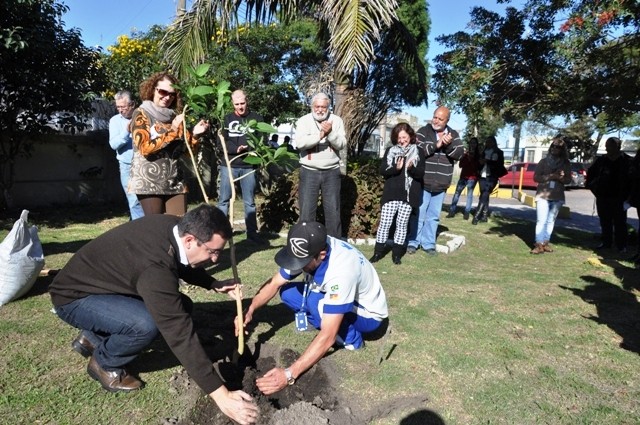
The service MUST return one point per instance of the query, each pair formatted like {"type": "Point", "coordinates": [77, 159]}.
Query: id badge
{"type": "Point", "coordinates": [301, 321]}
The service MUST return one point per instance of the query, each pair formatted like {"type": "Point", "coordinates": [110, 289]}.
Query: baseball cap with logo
{"type": "Point", "coordinates": [305, 240]}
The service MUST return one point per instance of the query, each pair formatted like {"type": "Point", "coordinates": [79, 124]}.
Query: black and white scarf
{"type": "Point", "coordinates": [410, 154]}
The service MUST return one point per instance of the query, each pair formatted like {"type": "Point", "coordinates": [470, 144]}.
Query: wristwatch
{"type": "Point", "coordinates": [290, 379]}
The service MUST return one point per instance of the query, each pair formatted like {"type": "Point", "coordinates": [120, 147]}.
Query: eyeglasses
{"type": "Point", "coordinates": [165, 93]}
{"type": "Point", "coordinates": [212, 252]}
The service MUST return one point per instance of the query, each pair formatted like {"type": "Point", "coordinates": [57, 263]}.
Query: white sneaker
{"type": "Point", "coordinates": [340, 342]}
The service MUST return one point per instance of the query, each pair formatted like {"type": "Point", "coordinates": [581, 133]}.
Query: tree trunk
{"type": "Point", "coordinates": [342, 85]}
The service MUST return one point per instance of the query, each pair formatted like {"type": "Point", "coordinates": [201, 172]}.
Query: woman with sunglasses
{"type": "Point", "coordinates": [552, 173]}
{"type": "Point", "coordinates": [158, 133]}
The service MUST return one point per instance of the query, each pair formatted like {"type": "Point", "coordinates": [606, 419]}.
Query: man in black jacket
{"type": "Point", "coordinates": [235, 138]}
{"type": "Point", "coordinates": [122, 289]}
{"type": "Point", "coordinates": [442, 147]}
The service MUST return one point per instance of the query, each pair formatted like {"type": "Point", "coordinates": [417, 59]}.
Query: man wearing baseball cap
{"type": "Point", "coordinates": [340, 295]}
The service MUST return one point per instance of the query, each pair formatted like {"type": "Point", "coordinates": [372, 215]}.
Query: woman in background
{"type": "Point", "coordinates": [469, 168]}
{"type": "Point", "coordinates": [158, 135]}
{"type": "Point", "coordinates": [403, 168]}
{"type": "Point", "coordinates": [492, 168]}
{"type": "Point", "coordinates": [552, 173]}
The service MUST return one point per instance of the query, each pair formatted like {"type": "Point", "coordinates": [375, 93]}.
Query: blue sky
{"type": "Point", "coordinates": [101, 22]}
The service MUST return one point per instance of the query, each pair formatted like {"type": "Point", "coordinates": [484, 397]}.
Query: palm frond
{"type": "Point", "coordinates": [186, 40]}
{"type": "Point", "coordinates": [354, 26]}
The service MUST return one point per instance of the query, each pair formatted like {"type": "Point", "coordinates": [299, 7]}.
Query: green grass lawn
{"type": "Point", "coordinates": [489, 334]}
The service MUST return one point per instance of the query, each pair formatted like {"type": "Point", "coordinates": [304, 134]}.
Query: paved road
{"type": "Point", "coordinates": [580, 202]}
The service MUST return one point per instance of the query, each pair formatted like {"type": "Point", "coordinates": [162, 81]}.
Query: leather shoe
{"type": "Point", "coordinates": [113, 380]}
{"type": "Point", "coordinates": [82, 345]}
{"type": "Point", "coordinates": [375, 258]}
{"type": "Point", "coordinates": [396, 259]}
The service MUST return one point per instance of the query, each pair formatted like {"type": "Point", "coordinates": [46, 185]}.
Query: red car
{"type": "Point", "coordinates": [512, 178]}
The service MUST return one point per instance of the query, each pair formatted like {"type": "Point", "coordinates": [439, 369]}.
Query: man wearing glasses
{"type": "Point", "coordinates": [122, 290]}
{"type": "Point", "coordinates": [120, 141]}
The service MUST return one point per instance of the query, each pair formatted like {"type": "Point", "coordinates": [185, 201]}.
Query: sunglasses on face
{"type": "Point", "coordinates": [165, 93]}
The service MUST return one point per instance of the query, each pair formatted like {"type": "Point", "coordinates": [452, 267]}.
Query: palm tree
{"type": "Point", "coordinates": [352, 27]}
{"type": "Point", "coordinates": [353, 31]}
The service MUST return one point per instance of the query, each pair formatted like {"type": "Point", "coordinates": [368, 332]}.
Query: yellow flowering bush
{"type": "Point", "coordinates": [132, 59]}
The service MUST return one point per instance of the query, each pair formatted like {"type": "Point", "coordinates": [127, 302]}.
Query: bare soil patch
{"type": "Point", "coordinates": [315, 398]}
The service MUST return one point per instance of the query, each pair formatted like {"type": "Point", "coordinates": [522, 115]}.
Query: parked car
{"type": "Point", "coordinates": [578, 174]}
{"type": "Point", "coordinates": [512, 178]}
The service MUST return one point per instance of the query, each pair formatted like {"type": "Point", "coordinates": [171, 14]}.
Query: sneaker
{"type": "Point", "coordinates": [451, 214]}
{"type": "Point", "coordinates": [341, 344]}
{"type": "Point", "coordinates": [431, 251]}
{"type": "Point", "coordinates": [465, 215]}
{"type": "Point", "coordinates": [411, 250]}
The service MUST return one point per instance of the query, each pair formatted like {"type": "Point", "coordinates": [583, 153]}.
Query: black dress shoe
{"type": "Point", "coordinates": [375, 258]}
{"type": "Point", "coordinates": [396, 259]}
{"type": "Point", "coordinates": [82, 345]}
{"type": "Point", "coordinates": [113, 380]}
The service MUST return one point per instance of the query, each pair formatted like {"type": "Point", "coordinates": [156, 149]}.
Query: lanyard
{"type": "Point", "coordinates": [305, 292]}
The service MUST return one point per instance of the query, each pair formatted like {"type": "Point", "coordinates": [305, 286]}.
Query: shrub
{"type": "Point", "coordinates": [360, 200]}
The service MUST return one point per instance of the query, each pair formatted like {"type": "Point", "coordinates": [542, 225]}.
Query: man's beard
{"type": "Point", "coordinates": [320, 117]}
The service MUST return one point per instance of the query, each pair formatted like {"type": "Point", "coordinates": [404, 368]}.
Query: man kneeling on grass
{"type": "Point", "coordinates": [122, 288]}
{"type": "Point", "coordinates": [341, 296]}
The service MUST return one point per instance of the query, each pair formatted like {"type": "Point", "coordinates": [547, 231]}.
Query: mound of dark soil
{"type": "Point", "coordinates": [312, 400]}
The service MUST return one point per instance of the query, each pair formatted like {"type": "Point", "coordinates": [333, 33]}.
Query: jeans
{"type": "Point", "coordinates": [487, 184]}
{"type": "Point", "coordinates": [470, 184]}
{"type": "Point", "coordinates": [352, 326]}
{"type": "Point", "coordinates": [327, 182]}
{"type": "Point", "coordinates": [135, 209]}
{"type": "Point", "coordinates": [118, 326]}
{"type": "Point", "coordinates": [248, 188]}
{"type": "Point", "coordinates": [423, 226]}
{"type": "Point", "coordinates": [546, 214]}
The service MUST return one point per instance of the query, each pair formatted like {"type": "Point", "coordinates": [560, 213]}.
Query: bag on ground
{"type": "Point", "coordinates": [21, 259]}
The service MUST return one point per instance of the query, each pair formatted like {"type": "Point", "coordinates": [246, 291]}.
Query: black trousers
{"type": "Point", "coordinates": [613, 221]}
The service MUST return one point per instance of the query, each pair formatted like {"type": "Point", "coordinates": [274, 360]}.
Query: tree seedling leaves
{"type": "Point", "coordinates": [266, 128]}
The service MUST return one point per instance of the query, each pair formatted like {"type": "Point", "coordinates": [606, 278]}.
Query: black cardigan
{"type": "Point", "coordinates": [394, 187]}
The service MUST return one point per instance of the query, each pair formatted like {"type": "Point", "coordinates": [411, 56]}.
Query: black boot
{"type": "Point", "coordinates": [378, 252]}
{"type": "Point", "coordinates": [397, 251]}
{"type": "Point", "coordinates": [478, 215]}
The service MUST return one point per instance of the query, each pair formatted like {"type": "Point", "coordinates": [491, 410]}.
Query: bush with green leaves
{"type": "Point", "coordinates": [359, 201]}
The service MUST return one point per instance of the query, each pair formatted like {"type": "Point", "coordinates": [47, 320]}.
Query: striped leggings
{"type": "Point", "coordinates": [387, 215]}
